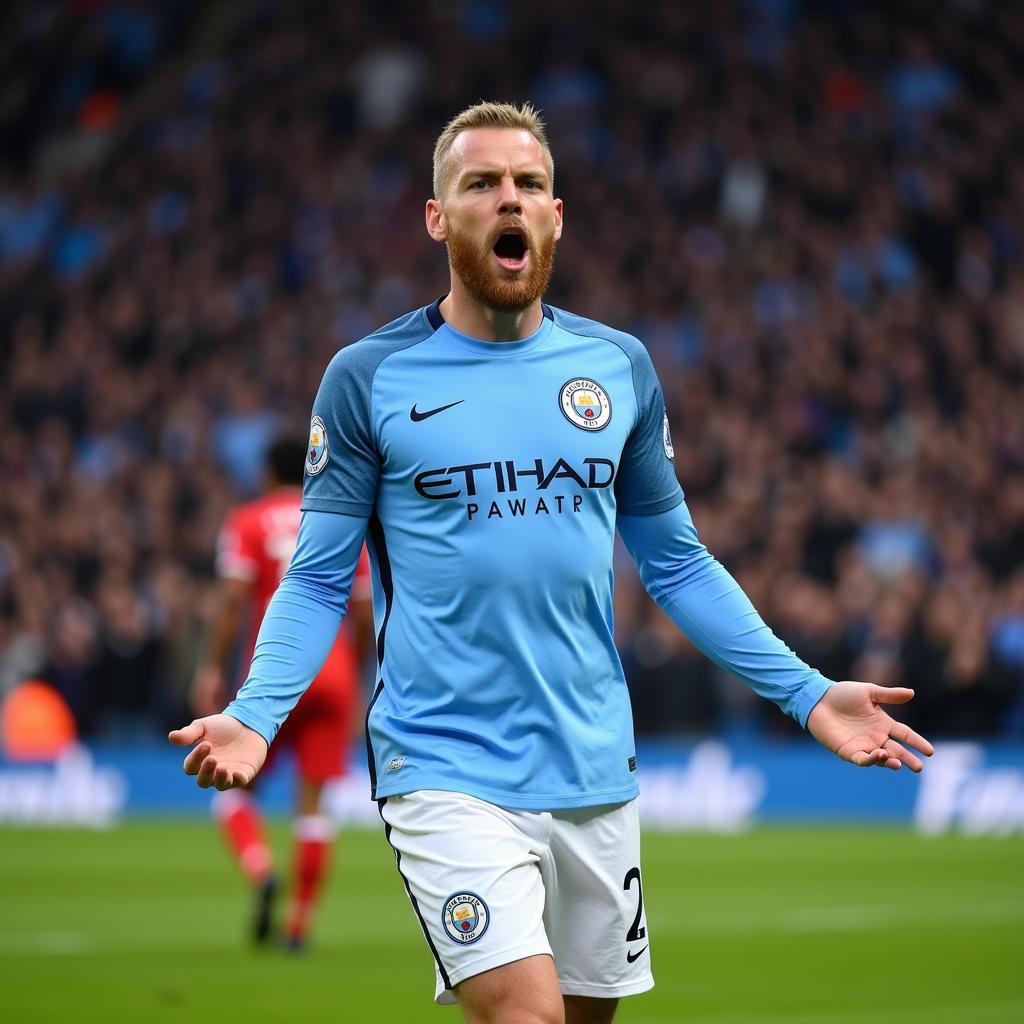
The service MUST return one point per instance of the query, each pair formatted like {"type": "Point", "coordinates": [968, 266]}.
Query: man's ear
{"type": "Point", "coordinates": [437, 223]}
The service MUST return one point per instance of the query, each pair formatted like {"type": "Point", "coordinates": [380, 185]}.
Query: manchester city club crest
{"type": "Point", "coordinates": [666, 437]}
{"type": "Point", "coordinates": [465, 917]}
{"type": "Point", "coordinates": [317, 451]}
{"type": "Point", "coordinates": [585, 404]}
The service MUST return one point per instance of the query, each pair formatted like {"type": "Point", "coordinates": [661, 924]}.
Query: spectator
{"type": "Point", "coordinates": [812, 217]}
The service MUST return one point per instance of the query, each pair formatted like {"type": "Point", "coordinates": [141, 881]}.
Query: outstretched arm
{"type": "Point", "coordinates": [297, 634]}
{"type": "Point", "coordinates": [707, 604]}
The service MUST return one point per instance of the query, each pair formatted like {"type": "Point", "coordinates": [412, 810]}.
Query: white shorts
{"type": "Point", "coordinates": [491, 886]}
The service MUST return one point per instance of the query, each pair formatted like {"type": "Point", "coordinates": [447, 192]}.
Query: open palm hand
{"type": "Point", "coordinates": [849, 721]}
{"type": "Point", "coordinates": [227, 754]}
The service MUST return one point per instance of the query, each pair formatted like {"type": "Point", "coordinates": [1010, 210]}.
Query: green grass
{"type": "Point", "coordinates": [825, 926]}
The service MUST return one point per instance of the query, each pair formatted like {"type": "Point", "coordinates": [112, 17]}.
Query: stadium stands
{"type": "Point", "coordinates": [815, 221]}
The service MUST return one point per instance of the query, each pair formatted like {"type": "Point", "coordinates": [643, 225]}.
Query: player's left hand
{"type": "Point", "coordinates": [849, 721]}
{"type": "Point", "coordinates": [226, 754]}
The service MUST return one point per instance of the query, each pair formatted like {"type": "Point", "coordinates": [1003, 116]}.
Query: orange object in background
{"type": "Point", "coordinates": [35, 723]}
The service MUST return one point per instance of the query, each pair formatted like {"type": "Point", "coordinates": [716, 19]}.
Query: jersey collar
{"type": "Point", "coordinates": [437, 320]}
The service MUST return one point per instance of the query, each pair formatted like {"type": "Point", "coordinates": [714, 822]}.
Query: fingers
{"type": "Point", "coordinates": [195, 758]}
{"type": "Point", "coordinates": [891, 694]}
{"type": "Point", "coordinates": [867, 758]}
{"type": "Point", "coordinates": [210, 773]}
{"type": "Point", "coordinates": [903, 733]}
{"type": "Point", "coordinates": [879, 757]}
{"type": "Point", "coordinates": [207, 773]}
{"type": "Point", "coordinates": [891, 755]}
{"type": "Point", "coordinates": [912, 761]}
{"type": "Point", "coordinates": [191, 733]}
{"type": "Point", "coordinates": [228, 778]}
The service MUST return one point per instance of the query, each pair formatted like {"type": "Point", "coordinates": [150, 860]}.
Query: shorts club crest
{"type": "Point", "coordinates": [465, 917]}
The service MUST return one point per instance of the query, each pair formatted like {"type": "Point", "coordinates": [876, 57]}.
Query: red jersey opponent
{"type": "Point", "coordinates": [254, 549]}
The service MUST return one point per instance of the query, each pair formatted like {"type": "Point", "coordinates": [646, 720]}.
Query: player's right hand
{"type": "Point", "coordinates": [226, 754]}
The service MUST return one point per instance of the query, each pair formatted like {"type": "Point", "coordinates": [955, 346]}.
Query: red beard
{"type": "Point", "coordinates": [493, 287]}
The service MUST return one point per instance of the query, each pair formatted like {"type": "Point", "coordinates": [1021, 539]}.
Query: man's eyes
{"type": "Point", "coordinates": [531, 184]}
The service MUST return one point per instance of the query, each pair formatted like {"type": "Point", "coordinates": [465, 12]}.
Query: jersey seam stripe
{"type": "Point", "coordinates": [371, 761]}
{"type": "Point", "coordinates": [380, 548]}
{"type": "Point", "coordinates": [375, 534]}
{"type": "Point", "coordinates": [412, 899]}
{"type": "Point", "coordinates": [373, 377]}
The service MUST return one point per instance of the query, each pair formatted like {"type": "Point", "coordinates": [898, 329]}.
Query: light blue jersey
{"type": "Point", "coordinates": [488, 478]}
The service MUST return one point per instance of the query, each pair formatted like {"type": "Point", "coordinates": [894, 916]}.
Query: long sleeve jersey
{"type": "Point", "coordinates": [488, 479]}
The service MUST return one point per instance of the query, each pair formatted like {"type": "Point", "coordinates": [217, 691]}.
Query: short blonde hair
{"type": "Point", "coordinates": [488, 115]}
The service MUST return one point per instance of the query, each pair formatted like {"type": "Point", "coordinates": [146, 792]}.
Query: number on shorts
{"type": "Point", "coordinates": [635, 932]}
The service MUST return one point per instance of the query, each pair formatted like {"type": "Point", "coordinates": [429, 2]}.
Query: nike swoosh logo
{"type": "Point", "coordinates": [415, 415]}
{"type": "Point", "coordinates": [630, 957]}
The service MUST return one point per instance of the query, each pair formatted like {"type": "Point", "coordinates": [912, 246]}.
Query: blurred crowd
{"type": "Point", "coordinates": [812, 215]}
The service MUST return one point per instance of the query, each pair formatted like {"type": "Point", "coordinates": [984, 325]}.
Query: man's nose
{"type": "Point", "coordinates": [509, 198]}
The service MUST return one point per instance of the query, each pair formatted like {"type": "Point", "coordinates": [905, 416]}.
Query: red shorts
{"type": "Point", "coordinates": [319, 729]}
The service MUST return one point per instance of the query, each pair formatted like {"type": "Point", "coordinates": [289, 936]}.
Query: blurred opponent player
{"type": "Point", "coordinates": [255, 546]}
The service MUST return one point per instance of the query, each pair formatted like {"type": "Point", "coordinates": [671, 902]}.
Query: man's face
{"type": "Point", "coordinates": [498, 217]}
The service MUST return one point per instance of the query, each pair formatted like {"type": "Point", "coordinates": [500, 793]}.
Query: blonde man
{"type": "Point", "coordinates": [488, 446]}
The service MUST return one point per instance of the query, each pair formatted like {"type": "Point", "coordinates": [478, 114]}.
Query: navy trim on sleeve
{"type": "Point", "coordinates": [655, 509]}
{"type": "Point", "coordinates": [338, 506]}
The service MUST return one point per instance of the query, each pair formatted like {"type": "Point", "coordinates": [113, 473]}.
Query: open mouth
{"type": "Point", "coordinates": [511, 249]}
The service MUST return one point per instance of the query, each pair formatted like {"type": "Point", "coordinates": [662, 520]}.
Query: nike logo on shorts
{"type": "Point", "coordinates": [415, 415]}
{"type": "Point", "coordinates": [630, 957]}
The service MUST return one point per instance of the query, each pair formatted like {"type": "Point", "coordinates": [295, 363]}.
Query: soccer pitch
{"type": "Point", "coordinates": [145, 923]}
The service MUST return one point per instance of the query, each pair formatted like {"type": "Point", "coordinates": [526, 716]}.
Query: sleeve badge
{"type": "Point", "coordinates": [317, 451]}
